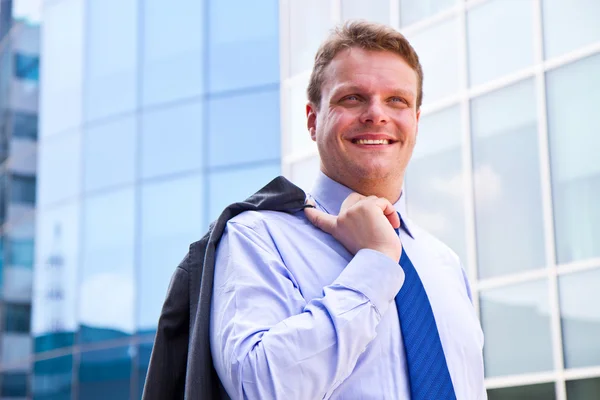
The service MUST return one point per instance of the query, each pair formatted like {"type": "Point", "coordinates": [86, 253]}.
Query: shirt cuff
{"type": "Point", "coordinates": [375, 275]}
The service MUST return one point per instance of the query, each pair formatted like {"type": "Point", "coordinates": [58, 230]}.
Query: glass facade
{"type": "Point", "coordinates": [173, 113]}
{"type": "Point", "coordinates": [155, 115]}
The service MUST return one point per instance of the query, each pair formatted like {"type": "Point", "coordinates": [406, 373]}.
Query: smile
{"type": "Point", "coordinates": [372, 142]}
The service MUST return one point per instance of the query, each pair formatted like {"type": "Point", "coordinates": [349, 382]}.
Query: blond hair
{"type": "Point", "coordinates": [367, 36]}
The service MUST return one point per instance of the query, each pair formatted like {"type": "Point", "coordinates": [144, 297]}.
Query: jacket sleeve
{"type": "Point", "coordinates": [269, 342]}
{"type": "Point", "coordinates": [165, 379]}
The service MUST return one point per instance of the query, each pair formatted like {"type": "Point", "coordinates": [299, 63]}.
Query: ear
{"type": "Point", "coordinates": [311, 120]}
{"type": "Point", "coordinates": [418, 118]}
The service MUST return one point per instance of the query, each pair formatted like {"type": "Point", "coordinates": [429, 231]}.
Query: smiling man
{"type": "Point", "coordinates": [349, 299]}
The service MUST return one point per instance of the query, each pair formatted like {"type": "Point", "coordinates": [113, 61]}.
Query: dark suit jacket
{"type": "Point", "coordinates": [181, 365]}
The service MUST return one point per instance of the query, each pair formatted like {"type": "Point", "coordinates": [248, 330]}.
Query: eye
{"type": "Point", "coordinates": [397, 99]}
{"type": "Point", "coordinates": [351, 97]}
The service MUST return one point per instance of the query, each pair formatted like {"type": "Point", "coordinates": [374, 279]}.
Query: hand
{"type": "Point", "coordinates": [363, 223]}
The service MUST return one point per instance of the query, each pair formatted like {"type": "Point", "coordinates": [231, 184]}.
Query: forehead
{"type": "Point", "coordinates": [369, 69]}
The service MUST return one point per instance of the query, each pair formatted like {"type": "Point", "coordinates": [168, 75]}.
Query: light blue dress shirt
{"type": "Point", "coordinates": [296, 316]}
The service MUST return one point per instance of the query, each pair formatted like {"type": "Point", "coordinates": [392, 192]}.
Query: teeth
{"type": "Point", "coordinates": [365, 141]}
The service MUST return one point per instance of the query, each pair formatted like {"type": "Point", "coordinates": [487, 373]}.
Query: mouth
{"type": "Point", "coordinates": [373, 142]}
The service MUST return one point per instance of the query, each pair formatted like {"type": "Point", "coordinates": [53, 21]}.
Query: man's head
{"type": "Point", "coordinates": [364, 95]}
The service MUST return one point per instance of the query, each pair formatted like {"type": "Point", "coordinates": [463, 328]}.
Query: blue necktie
{"type": "Point", "coordinates": [427, 368]}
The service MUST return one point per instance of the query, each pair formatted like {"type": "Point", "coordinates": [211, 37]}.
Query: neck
{"type": "Point", "coordinates": [385, 188]}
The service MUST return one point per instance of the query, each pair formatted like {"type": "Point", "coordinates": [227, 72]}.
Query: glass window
{"type": "Point", "coordinates": [435, 186]}
{"type": "Point", "coordinates": [105, 374]}
{"type": "Point", "coordinates": [17, 317]}
{"type": "Point", "coordinates": [55, 276]}
{"type": "Point", "coordinates": [412, 11]}
{"type": "Point", "coordinates": [516, 324]}
{"type": "Point", "coordinates": [59, 168]}
{"type": "Point", "coordinates": [25, 125]}
{"type": "Point", "coordinates": [143, 360]}
{"type": "Point", "coordinates": [173, 50]}
{"type": "Point", "coordinates": [304, 172]}
{"type": "Point", "coordinates": [52, 378]}
{"type": "Point", "coordinates": [111, 73]}
{"type": "Point", "coordinates": [22, 189]}
{"type": "Point", "coordinates": [583, 389]}
{"type": "Point", "coordinates": [573, 93]}
{"type": "Point", "coordinates": [299, 140]}
{"type": "Point", "coordinates": [230, 186]}
{"type": "Point", "coordinates": [569, 26]}
{"type": "Point", "coordinates": [62, 45]}
{"type": "Point", "coordinates": [172, 140]}
{"type": "Point", "coordinates": [16, 348]}
{"type": "Point", "coordinates": [20, 244]}
{"type": "Point", "coordinates": [542, 391]}
{"type": "Point", "coordinates": [439, 55]}
{"type": "Point", "coordinates": [254, 134]}
{"type": "Point", "coordinates": [508, 204]}
{"type": "Point", "coordinates": [109, 154]}
{"type": "Point", "coordinates": [27, 67]}
{"type": "Point", "coordinates": [165, 239]}
{"type": "Point", "coordinates": [580, 316]}
{"type": "Point", "coordinates": [375, 10]}
{"type": "Point", "coordinates": [244, 44]}
{"type": "Point", "coordinates": [108, 251]}
{"type": "Point", "coordinates": [14, 384]}
{"type": "Point", "coordinates": [494, 50]}
{"type": "Point", "coordinates": [309, 24]}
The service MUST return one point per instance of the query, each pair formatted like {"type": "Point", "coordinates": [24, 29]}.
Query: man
{"type": "Point", "coordinates": [350, 299]}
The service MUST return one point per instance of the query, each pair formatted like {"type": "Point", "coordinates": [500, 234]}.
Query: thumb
{"type": "Point", "coordinates": [321, 220]}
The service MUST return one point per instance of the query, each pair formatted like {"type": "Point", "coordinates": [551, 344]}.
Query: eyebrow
{"type": "Point", "coordinates": [354, 88]}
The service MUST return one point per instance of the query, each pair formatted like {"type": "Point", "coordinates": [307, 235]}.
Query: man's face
{"type": "Point", "coordinates": [366, 125]}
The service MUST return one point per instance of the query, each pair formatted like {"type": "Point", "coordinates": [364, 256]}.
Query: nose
{"type": "Point", "coordinates": [374, 113]}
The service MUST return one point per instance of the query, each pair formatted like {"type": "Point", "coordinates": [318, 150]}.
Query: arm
{"type": "Point", "coordinates": [269, 342]}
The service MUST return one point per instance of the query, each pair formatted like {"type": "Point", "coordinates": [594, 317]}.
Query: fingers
{"type": "Point", "coordinates": [321, 220]}
{"type": "Point", "coordinates": [351, 200]}
{"type": "Point", "coordinates": [389, 211]}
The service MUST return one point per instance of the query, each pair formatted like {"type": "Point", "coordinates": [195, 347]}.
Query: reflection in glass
{"type": "Point", "coordinates": [62, 67]}
{"type": "Point", "coordinates": [243, 34]}
{"type": "Point", "coordinates": [574, 149]}
{"type": "Point", "coordinates": [105, 374]}
{"type": "Point", "coordinates": [374, 10]}
{"type": "Point", "coordinates": [253, 135]}
{"type": "Point", "coordinates": [108, 251]}
{"type": "Point", "coordinates": [14, 384]}
{"type": "Point", "coordinates": [165, 240]}
{"type": "Point", "coordinates": [435, 180]}
{"type": "Point", "coordinates": [299, 140]}
{"type": "Point", "coordinates": [309, 24]}
{"type": "Point", "coordinates": [508, 204]}
{"type": "Point", "coordinates": [59, 168]}
{"type": "Point", "coordinates": [114, 141]}
{"type": "Point", "coordinates": [580, 317]}
{"type": "Point", "coordinates": [52, 379]}
{"type": "Point", "coordinates": [439, 55]}
{"type": "Point", "coordinates": [494, 50]}
{"type": "Point", "coordinates": [17, 318]}
{"type": "Point", "coordinates": [412, 11]}
{"type": "Point", "coordinates": [542, 391]}
{"type": "Point", "coordinates": [171, 140]}
{"type": "Point", "coordinates": [55, 279]}
{"type": "Point", "coordinates": [583, 389]}
{"type": "Point", "coordinates": [143, 360]}
{"type": "Point", "coordinates": [111, 63]}
{"type": "Point", "coordinates": [304, 172]}
{"type": "Point", "coordinates": [173, 50]}
{"type": "Point", "coordinates": [230, 186]}
{"type": "Point", "coordinates": [516, 324]}
{"type": "Point", "coordinates": [569, 25]}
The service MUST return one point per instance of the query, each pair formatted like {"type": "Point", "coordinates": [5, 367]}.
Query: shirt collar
{"type": "Point", "coordinates": [329, 195]}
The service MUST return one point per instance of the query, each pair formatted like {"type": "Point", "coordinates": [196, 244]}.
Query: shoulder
{"type": "Point", "coordinates": [266, 220]}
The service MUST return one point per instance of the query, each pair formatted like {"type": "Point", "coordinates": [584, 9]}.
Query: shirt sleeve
{"type": "Point", "coordinates": [267, 341]}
